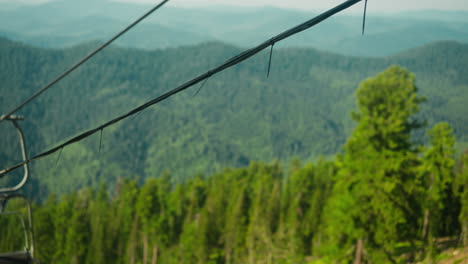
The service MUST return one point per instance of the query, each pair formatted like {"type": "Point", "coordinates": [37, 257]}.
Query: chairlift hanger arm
{"type": "Point", "coordinates": [14, 119]}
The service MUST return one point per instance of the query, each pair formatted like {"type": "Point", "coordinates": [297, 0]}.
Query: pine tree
{"type": "Point", "coordinates": [78, 229]}
{"type": "Point", "coordinates": [237, 217]}
{"type": "Point", "coordinates": [154, 216]}
{"type": "Point", "coordinates": [374, 201]}
{"type": "Point", "coordinates": [437, 169]}
{"type": "Point", "coordinates": [264, 212]}
{"type": "Point", "coordinates": [100, 245]}
{"type": "Point", "coordinates": [124, 217]}
{"type": "Point", "coordinates": [308, 189]}
{"type": "Point", "coordinates": [62, 215]}
{"type": "Point", "coordinates": [196, 194]}
{"type": "Point", "coordinates": [461, 188]}
{"type": "Point", "coordinates": [44, 229]}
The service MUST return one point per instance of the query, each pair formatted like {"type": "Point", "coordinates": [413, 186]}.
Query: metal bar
{"type": "Point", "coordinates": [25, 157]}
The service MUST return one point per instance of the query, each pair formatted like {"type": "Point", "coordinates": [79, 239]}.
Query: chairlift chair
{"type": "Point", "coordinates": [26, 255]}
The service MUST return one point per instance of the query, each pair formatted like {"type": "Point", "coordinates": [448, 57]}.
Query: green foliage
{"type": "Point", "coordinates": [246, 215]}
{"type": "Point", "coordinates": [373, 198]}
{"type": "Point", "coordinates": [461, 188]}
{"type": "Point", "coordinates": [437, 178]}
{"type": "Point", "coordinates": [308, 190]}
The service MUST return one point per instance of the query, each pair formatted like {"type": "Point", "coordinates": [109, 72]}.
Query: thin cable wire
{"type": "Point", "coordinates": [231, 62]}
{"type": "Point", "coordinates": [100, 142]}
{"type": "Point", "coordinates": [201, 86]}
{"type": "Point", "coordinates": [269, 61]}
{"type": "Point", "coordinates": [364, 18]}
{"type": "Point", "coordinates": [82, 61]}
{"type": "Point", "coordinates": [58, 158]}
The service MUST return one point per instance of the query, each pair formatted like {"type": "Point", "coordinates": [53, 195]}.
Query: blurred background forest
{"type": "Point", "coordinates": [251, 169]}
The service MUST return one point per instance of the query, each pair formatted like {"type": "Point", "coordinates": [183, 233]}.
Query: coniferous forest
{"type": "Point", "coordinates": [385, 197]}
{"type": "Point", "coordinates": [301, 111]}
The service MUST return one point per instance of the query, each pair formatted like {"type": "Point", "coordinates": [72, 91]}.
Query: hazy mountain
{"type": "Point", "coordinates": [66, 23]}
{"type": "Point", "coordinates": [453, 16]}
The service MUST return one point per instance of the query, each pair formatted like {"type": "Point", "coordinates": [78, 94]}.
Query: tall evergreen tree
{"type": "Point", "coordinates": [264, 212]}
{"type": "Point", "coordinates": [78, 235]}
{"type": "Point", "coordinates": [154, 216]}
{"type": "Point", "coordinates": [374, 199]}
{"type": "Point", "coordinates": [62, 215]}
{"type": "Point", "coordinates": [122, 220]}
{"type": "Point", "coordinates": [437, 169]}
{"type": "Point", "coordinates": [308, 190]}
{"type": "Point", "coordinates": [237, 217]}
{"type": "Point", "coordinates": [462, 191]}
{"type": "Point", "coordinates": [100, 244]}
{"type": "Point", "coordinates": [45, 228]}
{"type": "Point", "coordinates": [196, 194]}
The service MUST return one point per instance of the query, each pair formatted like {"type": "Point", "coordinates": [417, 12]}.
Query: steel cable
{"type": "Point", "coordinates": [229, 63]}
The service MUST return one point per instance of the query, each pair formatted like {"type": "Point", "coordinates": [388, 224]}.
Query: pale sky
{"type": "Point", "coordinates": [374, 5]}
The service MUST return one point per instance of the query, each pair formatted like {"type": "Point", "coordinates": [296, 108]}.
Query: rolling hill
{"type": "Point", "coordinates": [65, 23]}
{"type": "Point", "coordinates": [302, 110]}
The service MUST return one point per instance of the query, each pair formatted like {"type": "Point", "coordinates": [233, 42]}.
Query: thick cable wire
{"type": "Point", "coordinates": [229, 63]}
{"type": "Point", "coordinates": [82, 61]}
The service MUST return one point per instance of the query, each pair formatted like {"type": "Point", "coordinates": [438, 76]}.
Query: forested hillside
{"type": "Point", "coordinates": [302, 110]}
{"type": "Point", "coordinates": [384, 198]}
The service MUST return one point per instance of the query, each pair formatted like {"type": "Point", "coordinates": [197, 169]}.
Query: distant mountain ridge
{"type": "Point", "coordinates": [302, 110]}
{"type": "Point", "coordinates": [68, 23]}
